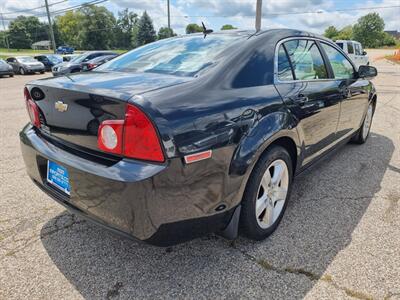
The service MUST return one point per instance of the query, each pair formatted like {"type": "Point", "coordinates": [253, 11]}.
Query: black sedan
{"type": "Point", "coordinates": [194, 134]}
{"type": "Point", "coordinates": [75, 64]}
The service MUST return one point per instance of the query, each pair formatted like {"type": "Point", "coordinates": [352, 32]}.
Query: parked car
{"type": "Point", "coordinates": [75, 64]}
{"type": "Point", "coordinates": [194, 134]}
{"type": "Point", "coordinates": [25, 64]}
{"type": "Point", "coordinates": [95, 62]}
{"type": "Point", "coordinates": [65, 50]}
{"type": "Point", "coordinates": [355, 51]}
{"type": "Point", "coordinates": [49, 60]}
{"type": "Point", "coordinates": [6, 69]}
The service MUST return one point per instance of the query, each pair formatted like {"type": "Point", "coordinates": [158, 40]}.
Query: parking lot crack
{"type": "Point", "coordinates": [308, 274]}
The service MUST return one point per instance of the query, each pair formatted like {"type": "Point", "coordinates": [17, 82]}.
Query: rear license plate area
{"type": "Point", "coordinates": [58, 177]}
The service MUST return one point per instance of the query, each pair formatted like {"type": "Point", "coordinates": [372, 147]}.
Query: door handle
{"type": "Point", "coordinates": [300, 99]}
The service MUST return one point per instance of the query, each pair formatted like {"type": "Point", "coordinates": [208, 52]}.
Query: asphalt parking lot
{"type": "Point", "coordinates": [340, 237]}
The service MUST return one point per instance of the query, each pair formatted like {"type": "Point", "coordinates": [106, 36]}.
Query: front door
{"type": "Point", "coordinates": [352, 91]}
{"type": "Point", "coordinates": [304, 85]}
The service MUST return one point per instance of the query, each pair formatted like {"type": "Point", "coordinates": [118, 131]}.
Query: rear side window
{"type": "Point", "coordinates": [350, 48]}
{"type": "Point", "coordinates": [357, 49]}
{"type": "Point", "coordinates": [342, 68]}
{"type": "Point", "coordinates": [306, 60]}
{"type": "Point", "coordinates": [284, 68]}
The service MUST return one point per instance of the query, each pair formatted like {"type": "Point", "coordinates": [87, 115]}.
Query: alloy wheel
{"type": "Point", "coordinates": [272, 193]}
{"type": "Point", "coordinates": [367, 122]}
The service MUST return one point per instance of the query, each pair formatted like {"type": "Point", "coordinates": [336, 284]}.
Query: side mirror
{"type": "Point", "coordinates": [364, 53]}
{"type": "Point", "coordinates": [367, 72]}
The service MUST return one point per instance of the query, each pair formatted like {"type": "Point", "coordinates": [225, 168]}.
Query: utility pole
{"type": "Point", "coordinates": [5, 35]}
{"type": "Point", "coordinates": [258, 15]}
{"type": "Point", "coordinates": [169, 16]}
{"type": "Point", "coordinates": [53, 41]}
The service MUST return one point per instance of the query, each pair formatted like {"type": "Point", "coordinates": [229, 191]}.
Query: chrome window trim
{"type": "Point", "coordinates": [276, 55]}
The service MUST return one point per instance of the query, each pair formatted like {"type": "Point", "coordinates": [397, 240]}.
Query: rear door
{"type": "Point", "coordinates": [352, 91]}
{"type": "Point", "coordinates": [302, 79]}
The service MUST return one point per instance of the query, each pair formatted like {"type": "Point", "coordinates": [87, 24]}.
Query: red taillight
{"type": "Point", "coordinates": [91, 66]}
{"type": "Point", "coordinates": [32, 108]}
{"type": "Point", "coordinates": [133, 137]}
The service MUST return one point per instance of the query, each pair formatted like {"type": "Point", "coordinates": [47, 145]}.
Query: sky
{"type": "Point", "coordinates": [310, 15]}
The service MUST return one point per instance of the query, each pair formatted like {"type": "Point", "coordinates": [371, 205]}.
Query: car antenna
{"type": "Point", "coordinates": [205, 30]}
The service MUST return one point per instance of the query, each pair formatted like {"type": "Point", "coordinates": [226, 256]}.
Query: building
{"type": "Point", "coordinates": [41, 45]}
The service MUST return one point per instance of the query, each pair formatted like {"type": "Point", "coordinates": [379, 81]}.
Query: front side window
{"type": "Point", "coordinates": [284, 68]}
{"type": "Point", "coordinates": [306, 60]}
{"type": "Point", "coordinates": [350, 48]}
{"type": "Point", "coordinates": [342, 68]}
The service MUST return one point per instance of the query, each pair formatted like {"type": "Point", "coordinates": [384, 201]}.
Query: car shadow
{"type": "Point", "coordinates": [326, 205]}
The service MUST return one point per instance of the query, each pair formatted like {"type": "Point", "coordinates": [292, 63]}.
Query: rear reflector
{"type": "Point", "coordinates": [32, 108]}
{"type": "Point", "coordinates": [197, 156]}
{"type": "Point", "coordinates": [134, 137]}
{"type": "Point", "coordinates": [110, 136]}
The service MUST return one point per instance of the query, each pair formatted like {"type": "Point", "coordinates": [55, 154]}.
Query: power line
{"type": "Point", "coordinates": [293, 13]}
{"type": "Point", "coordinates": [71, 8]}
{"type": "Point", "coordinates": [27, 10]}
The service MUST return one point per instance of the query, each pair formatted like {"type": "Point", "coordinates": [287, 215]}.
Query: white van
{"type": "Point", "coordinates": [355, 51]}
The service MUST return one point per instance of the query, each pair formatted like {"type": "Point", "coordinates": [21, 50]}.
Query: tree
{"type": "Point", "coordinates": [388, 40]}
{"type": "Point", "coordinates": [346, 33]}
{"type": "Point", "coordinates": [165, 32]}
{"type": "Point", "coordinates": [69, 27]}
{"type": "Point", "coordinates": [3, 39]}
{"type": "Point", "coordinates": [146, 33]}
{"type": "Point", "coordinates": [23, 31]}
{"type": "Point", "coordinates": [331, 32]}
{"type": "Point", "coordinates": [228, 27]}
{"type": "Point", "coordinates": [192, 28]}
{"type": "Point", "coordinates": [97, 28]}
{"type": "Point", "coordinates": [369, 30]}
{"type": "Point", "coordinates": [126, 23]}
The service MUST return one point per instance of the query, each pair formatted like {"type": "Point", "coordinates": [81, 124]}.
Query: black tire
{"type": "Point", "coordinates": [360, 137]}
{"type": "Point", "coordinates": [41, 72]}
{"type": "Point", "coordinates": [249, 226]}
{"type": "Point", "coordinates": [22, 71]}
{"type": "Point", "coordinates": [11, 75]}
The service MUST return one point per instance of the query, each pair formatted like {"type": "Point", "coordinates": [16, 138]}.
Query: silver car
{"type": "Point", "coordinates": [5, 69]}
{"type": "Point", "coordinates": [25, 64]}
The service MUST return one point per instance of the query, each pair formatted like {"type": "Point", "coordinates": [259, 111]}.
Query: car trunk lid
{"type": "Point", "coordinates": [73, 107]}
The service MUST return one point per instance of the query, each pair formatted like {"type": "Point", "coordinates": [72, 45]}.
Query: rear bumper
{"type": "Point", "coordinates": [137, 199]}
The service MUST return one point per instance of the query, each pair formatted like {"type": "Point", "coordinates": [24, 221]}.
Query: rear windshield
{"type": "Point", "coordinates": [179, 56]}
{"type": "Point", "coordinates": [26, 59]}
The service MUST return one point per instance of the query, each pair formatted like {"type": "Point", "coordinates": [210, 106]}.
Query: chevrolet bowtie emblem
{"type": "Point", "coordinates": [61, 106]}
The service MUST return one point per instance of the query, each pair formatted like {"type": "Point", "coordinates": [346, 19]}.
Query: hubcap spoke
{"type": "Point", "coordinates": [278, 173]}
{"type": "Point", "coordinates": [266, 180]}
{"type": "Point", "coordinates": [261, 204]}
{"type": "Point", "coordinates": [268, 217]}
{"type": "Point", "coordinates": [280, 193]}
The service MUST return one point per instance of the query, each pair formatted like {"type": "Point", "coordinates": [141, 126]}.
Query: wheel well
{"type": "Point", "coordinates": [290, 146]}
